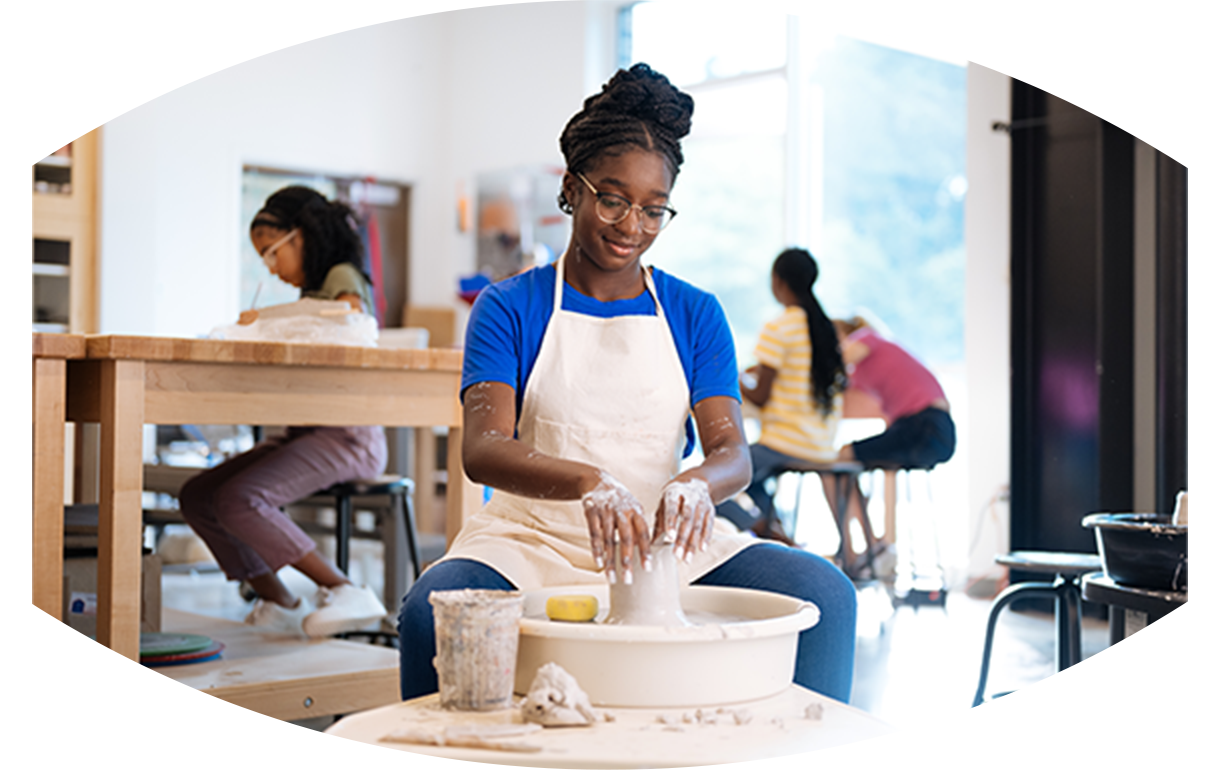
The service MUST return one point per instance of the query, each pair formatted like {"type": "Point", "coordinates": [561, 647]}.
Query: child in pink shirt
{"type": "Point", "coordinates": [919, 431]}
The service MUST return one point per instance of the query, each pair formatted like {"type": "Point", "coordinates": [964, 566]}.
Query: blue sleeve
{"type": "Point", "coordinates": [703, 338]}
{"type": "Point", "coordinates": [704, 341]}
{"type": "Point", "coordinates": [505, 330]}
{"type": "Point", "coordinates": [492, 350]}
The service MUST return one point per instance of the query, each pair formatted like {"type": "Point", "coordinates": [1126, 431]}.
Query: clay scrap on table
{"type": "Point", "coordinates": [469, 736]}
{"type": "Point", "coordinates": [556, 700]}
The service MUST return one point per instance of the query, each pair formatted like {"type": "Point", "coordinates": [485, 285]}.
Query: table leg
{"type": "Point", "coordinates": [425, 479]}
{"type": "Point", "coordinates": [49, 388]}
{"type": "Point", "coordinates": [891, 507]}
{"type": "Point", "coordinates": [842, 482]}
{"type": "Point", "coordinates": [119, 510]}
{"type": "Point", "coordinates": [1152, 716]}
{"type": "Point", "coordinates": [454, 486]}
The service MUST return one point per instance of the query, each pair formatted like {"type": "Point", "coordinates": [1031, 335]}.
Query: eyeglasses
{"type": "Point", "coordinates": [268, 254]}
{"type": "Point", "coordinates": [613, 209]}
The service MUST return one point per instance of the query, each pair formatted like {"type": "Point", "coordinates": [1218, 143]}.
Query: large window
{"type": "Point", "coordinates": [852, 150]}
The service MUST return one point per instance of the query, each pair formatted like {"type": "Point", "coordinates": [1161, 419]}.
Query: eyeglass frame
{"type": "Point", "coordinates": [268, 254]}
{"type": "Point", "coordinates": [630, 207]}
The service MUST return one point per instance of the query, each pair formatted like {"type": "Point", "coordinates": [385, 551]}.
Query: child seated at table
{"type": "Point", "coordinates": [311, 243]}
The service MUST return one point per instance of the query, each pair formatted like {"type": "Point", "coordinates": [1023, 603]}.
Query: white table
{"type": "Point", "coordinates": [648, 737]}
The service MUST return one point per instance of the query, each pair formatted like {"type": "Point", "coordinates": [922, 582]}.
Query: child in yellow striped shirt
{"type": "Point", "coordinates": [798, 382]}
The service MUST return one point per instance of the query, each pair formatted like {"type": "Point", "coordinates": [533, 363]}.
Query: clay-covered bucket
{"type": "Point", "coordinates": [476, 647]}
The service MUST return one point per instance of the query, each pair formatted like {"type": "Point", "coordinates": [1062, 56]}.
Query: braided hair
{"type": "Point", "coordinates": [798, 270]}
{"type": "Point", "coordinates": [638, 107]}
{"type": "Point", "coordinates": [329, 234]}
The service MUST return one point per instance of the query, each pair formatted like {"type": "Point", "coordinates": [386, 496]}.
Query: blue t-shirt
{"type": "Point", "coordinates": [509, 318]}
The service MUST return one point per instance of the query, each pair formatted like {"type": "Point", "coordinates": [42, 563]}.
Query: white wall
{"type": "Point", "coordinates": [516, 74]}
{"type": "Point", "coordinates": [986, 436]}
{"type": "Point", "coordinates": [427, 101]}
{"type": "Point", "coordinates": [432, 102]}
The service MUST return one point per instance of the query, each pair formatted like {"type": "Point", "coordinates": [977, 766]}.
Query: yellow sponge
{"type": "Point", "coordinates": [572, 607]}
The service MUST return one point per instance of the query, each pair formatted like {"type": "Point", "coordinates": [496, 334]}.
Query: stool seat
{"type": "Point", "coordinates": [382, 485]}
{"type": "Point", "coordinates": [1051, 562]}
{"type": "Point", "coordinates": [838, 466]}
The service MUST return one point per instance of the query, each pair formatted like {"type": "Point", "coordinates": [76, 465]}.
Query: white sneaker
{"type": "Point", "coordinates": [343, 608]}
{"type": "Point", "coordinates": [273, 617]}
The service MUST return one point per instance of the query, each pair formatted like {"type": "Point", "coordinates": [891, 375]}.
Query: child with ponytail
{"type": "Point", "coordinates": [798, 382]}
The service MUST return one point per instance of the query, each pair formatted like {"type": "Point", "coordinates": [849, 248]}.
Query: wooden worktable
{"type": "Point", "coordinates": [124, 382]}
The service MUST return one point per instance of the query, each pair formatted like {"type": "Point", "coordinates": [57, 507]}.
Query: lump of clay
{"type": "Point", "coordinates": [652, 598]}
{"type": "Point", "coordinates": [555, 700]}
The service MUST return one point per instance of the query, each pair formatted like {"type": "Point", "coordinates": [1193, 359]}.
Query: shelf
{"type": "Point", "coordinates": [50, 104]}
{"type": "Point", "coordinates": [42, 268]}
{"type": "Point", "coordinates": [49, 328]}
{"type": "Point", "coordinates": [60, 161]}
{"type": "Point", "coordinates": [259, 677]}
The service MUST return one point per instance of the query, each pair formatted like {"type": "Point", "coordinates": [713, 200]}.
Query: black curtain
{"type": "Point", "coordinates": [1073, 268]}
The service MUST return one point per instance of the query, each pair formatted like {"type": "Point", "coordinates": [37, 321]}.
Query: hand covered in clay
{"type": "Point", "coordinates": [685, 517]}
{"type": "Point", "coordinates": [615, 516]}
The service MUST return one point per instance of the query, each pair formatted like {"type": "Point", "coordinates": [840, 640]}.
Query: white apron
{"type": "Point", "coordinates": [610, 392]}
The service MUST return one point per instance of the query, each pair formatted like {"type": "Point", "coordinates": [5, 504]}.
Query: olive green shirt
{"type": "Point", "coordinates": [344, 278]}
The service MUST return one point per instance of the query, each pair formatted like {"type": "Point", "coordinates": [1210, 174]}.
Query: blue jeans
{"type": "Point", "coordinates": [825, 654]}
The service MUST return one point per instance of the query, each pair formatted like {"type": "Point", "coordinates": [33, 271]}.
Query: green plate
{"type": "Point", "coordinates": [172, 644]}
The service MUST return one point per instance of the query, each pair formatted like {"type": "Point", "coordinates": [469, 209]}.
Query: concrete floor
{"type": "Point", "coordinates": [913, 666]}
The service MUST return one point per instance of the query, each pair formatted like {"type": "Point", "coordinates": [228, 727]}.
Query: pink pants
{"type": "Point", "coordinates": [235, 507]}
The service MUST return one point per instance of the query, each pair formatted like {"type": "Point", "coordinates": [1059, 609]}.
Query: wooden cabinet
{"type": "Point", "coordinates": [65, 238]}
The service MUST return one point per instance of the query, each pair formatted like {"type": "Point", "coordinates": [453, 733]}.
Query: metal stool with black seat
{"type": "Point", "coordinates": [843, 476]}
{"type": "Point", "coordinates": [1067, 569]}
{"type": "Point", "coordinates": [399, 535]}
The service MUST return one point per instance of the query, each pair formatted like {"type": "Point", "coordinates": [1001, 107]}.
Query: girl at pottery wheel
{"type": "Point", "coordinates": [579, 382]}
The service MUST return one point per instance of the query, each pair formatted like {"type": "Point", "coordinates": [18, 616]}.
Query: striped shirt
{"type": "Point", "coordinates": [791, 421]}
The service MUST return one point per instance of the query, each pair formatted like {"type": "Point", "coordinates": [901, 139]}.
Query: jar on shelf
{"type": "Point", "coordinates": [64, 142]}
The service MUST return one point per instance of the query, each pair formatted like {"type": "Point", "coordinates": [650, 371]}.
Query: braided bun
{"type": "Point", "coordinates": [638, 107]}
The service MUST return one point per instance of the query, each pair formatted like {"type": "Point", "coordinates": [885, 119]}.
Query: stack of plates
{"type": "Point", "coordinates": [175, 649]}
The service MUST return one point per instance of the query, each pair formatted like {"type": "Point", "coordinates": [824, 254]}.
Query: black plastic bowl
{"type": "Point", "coordinates": [1144, 550]}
